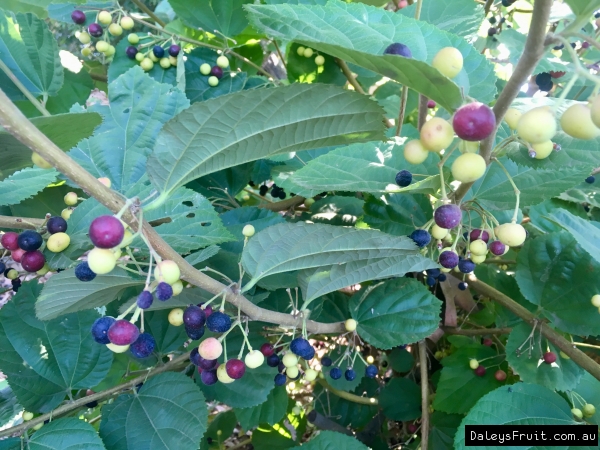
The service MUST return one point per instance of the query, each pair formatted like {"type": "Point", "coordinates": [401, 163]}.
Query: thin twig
{"type": "Point", "coordinates": [424, 390]}
{"type": "Point", "coordinates": [281, 58]}
{"type": "Point", "coordinates": [150, 13]}
{"type": "Point", "coordinates": [349, 76]}
{"type": "Point", "coordinates": [348, 396]}
{"type": "Point", "coordinates": [478, 332]}
{"type": "Point", "coordinates": [422, 111]}
{"type": "Point", "coordinates": [402, 112]}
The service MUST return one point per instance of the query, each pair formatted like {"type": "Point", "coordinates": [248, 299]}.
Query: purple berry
{"type": "Point", "coordinates": [447, 216]}
{"type": "Point", "coordinates": [474, 121]}
{"type": "Point", "coordinates": [56, 224]}
{"type": "Point", "coordinates": [78, 17]}
{"type": "Point", "coordinates": [273, 360]}
{"type": "Point", "coordinates": [145, 299]}
{"type": "Point", "coordinates": [477, 234]}
{"type": "Point", "coordinates": [497, 248]}
{"type": "Point", "coordinates": [194, 317]}
{"type": "Point", "coordinates": [267, 349]}
{"type": "Point", "coordinates": [448, 259]}
{"type": "Point", "coordinates": [218, 322]}
{"type": "Point", "coordinates": [194, 333]}
{"type": "Point", "coordinates": [202, 363]}
{"type": "Point", "coordinates": [33, 261]}
{"type": "Point", "coordinates": [217, 72]}
{"type": "Point", "coordinates": [174, 50]}
{"type": "Point", "coordinates": [95, 30]}
{"type": "Point", "coordinates": [100, 329]}
{"type": "Point", "coordinates": [164, 291]}
{"type": "Point", "coordinates": [158, 51]}
{"type": "Point", "coordinates": [235, 368]}
{"type": "Point", "coordinates": [131, 51]}
{"type": "Point", "coordinates": [207, 311]}
{"type": "Point", "coordinates": [143, 346]}
{"type": "Point", "coordinates": [123, 332]}
{"type": "Point", "coordinates": [106, 231]}
{"type": "Point", "coordinates": [398, 49]}
{"type": "Point", "coordinates": [209, 377]}
{"type": "Point", "coordinates": [30, 240]}
{"type": "Point", "coordinates": [280, 379]}
{"type": "Point", "coordinates": [83, 272]}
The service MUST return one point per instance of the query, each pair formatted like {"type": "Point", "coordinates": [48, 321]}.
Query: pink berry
{"type": "Point", "coordinates": [235, 368]}
{"type": "Point", "coordinates": [497, 248]}
{"type": "Point", "coordinates": [411, 428]}
{"type": "Point", "coordinates": [10, 240]}
{"type": "Point", "coordinates": [267, 349]}
{"type": "Point", "coordinates": [500, 375]}
{"type": "Point", "coordinates": [474, 121]}
{"type": "Point", "coordinates": [480, 371]}
{"type": "Point", "coordinates": [106, 231]}
{"type": "Point", "coordinates": [123, 332]}
{"type": "Point", "coordinates": [430, 104]}
{"type": "Point", "coordinates": [33, 261]}
{"type": "Point", "coordinates": [487, 342]}
{"type": "Point", "coordinates": [17, 255]}
{"type": "Point", "coordinates": [210, 348]}
{"type": "Point", "coordinates": [549, 357]}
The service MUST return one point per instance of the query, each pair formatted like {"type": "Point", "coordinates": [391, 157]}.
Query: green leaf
{"type": "Point", "coordinates": [139, 107]}
{"type": "Point", "coordinates": [336, 210]}
{"type": "Point", "coordinates": [45, 360]}
{"type": "Point", "coordinates": [368, 167]}
{"type": "Point", "coordinates": [65, 130]}
{"type": "Point", "coordinates": [288, 246]}
{"type": "Point", "coordinates": [25, 184]}
{"type": "Point", "coordinates": [50, 200]}
{"type": "Point", "coordinates": [557, 274]}
{"type": "Point", "coordinates": [443, 429]}
{"type": "Point", "coordinates": [461, 17]}
{"type": "Point", "coordinates": [538, 213]}
{"type": "Point", "coordinates": [219, 430]}
{"type": "Point", "coordinates": [400, 311]}
{"type": "Point", "coordinates": [168, 337]}
{"type": "Point", "coordinates": [329, 440]}
{"type": "Point", "coordinates": [400, 399]}
{"type": "Point", "coordinates": [66, 433]}
{"type": "Point", "coordinates": [519, 404]}
{"type": "Point", "coordinates": [269, 412]}
{"type": "Point", "coordinates": [342, 384]}
{"type": "Point", "coordinates": [202, 255]}
{"type": "Point", "coordinates": [583, 7]}
{"type": "Point", "coordinates": [226, 131]}
{"type": "Point", "coordinates": [224, 16]}
{"type": "Point", "coordinates": [305, 70]}
{"type": "Point", "coordinates": [359, 34]}
{"type": "Point", "coordinates": [563, 375]}
{"type": "Point", "coordinates": [345, 412]}
{"type": "Point", "coordinates": [236, 219]}
{"type": "Point", "coordinates": [397, 214]}
{"type": "Point", "coordinates": [63, 293]}
{"type": "Point", "coordinates": [11, 444]}
{"type": "Point", "coordinates": [62, 11]}
{"type": "Point", "coordinates": [401, 360]}
{"type": "Point", "coordinates": [586, 233]}
{"type": "Point", "coordinates": [168, 412]}
{"type": "Point", "coordinates": [494, 191]}
{"type": "Point", "coordinates": [31, 52]}
{"type": "Point", "coordinates": [9, 405]}
{"type": "Point", "coordinates": [589, 389]}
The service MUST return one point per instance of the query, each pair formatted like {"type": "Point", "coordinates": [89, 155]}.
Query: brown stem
{"type": "Point", "coordinates": [488, 5]}
{"type": "Point", "coordinates": [19, 126]}
{"type": "Point", "coordinates": [422, 111]}
{"type": "Point", "coordinates": [99, 77]}
{"type": "Point", "coordinates": [481, 332]}
{"type": "Point", "coordinates": [149, 12]}
{"type": "Point", "coordinates": [401, 114]}
{"type": "Point", "coordinates": [349, 76]}
{"type": "Point", "coordinates": [424, 392]}
{"type": "Point", "coordinates": [283, 205]}
{"type": "Point", "coordinates": [21, 223]}
{"type": "Point", "coordinates": [552, 335]}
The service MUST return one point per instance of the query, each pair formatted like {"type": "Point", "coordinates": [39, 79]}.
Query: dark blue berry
{"type": "Point", "coordinates": [30, 240]}
{"type": "Point", "coordinates": [145, 299]}
{"type": "Point", "coordinates": [433, 272]}
{"type": "Point", "coordinates": [263, 190]}
{"type": "Point", "coordinates": [195, 357]}
{"type": "Point", "coordinates": [143, 346]}
{"type": "Point", "coordinates": [310, 354]}
{"type": "Point", "coordinates": [462, 286]}
{"type": "Point", "coordinates": [420, 237]}
{"type": "Point", "coordinates": [403, 178]}
{"type": "Point", "coordinates": [590, 179]}
{"type": "Point", "coordinates": [2, 267]}
{"type": "Point", "coordinates": [492, 20]}
{"type": "Point", "coordinates": [280, 379]}
{"type": "Point", "coordinates": [350, 374]}
{"type": "Point", "coordinates": [492, 31]}
{"type": "Point", "coordinates": [281, 195]}
{"type": "Point", "coordinates": [442, 277]}
{"type": "Point", "coordinates": [559, 47]}
{"type": "Point", "coordinates": [398, 49]}
{"type": "Point", "coordinates": [466, 266]}
{"type": "Point", "coordinates": [430, 281]}
{"type": "Point", "coordinates": [326, 361]}
{"type": "Point", "coordinates": [164, 291]}
{"type": "Point", "coordinates": [100, 329]}
{"type": "Point", "coordinates": [273, 360]}
{"type": "Point", "coordinates": [56, 224]}
{"type": "Point", "coordinates": [16, 284]}
{"type": "Point", "coordinates": [371, 371]}
{"type": "Point", "coordinates": [92, 404]}
{"type": "Point", "coordinates": [335, 373]}
{"type": "Point", "coordinates": [209, 377]}
{"type": "Point", "coordinates": [131, 51]}
{"type": "Point", "coordinates": [280, 367]}
{"type": "Point", "coordinates": [300, 346]}
{"type": "Point", "coordinates": [83, 272]}
{"type": "Point", "coordinates": [158, 51]}
{"type": "Point", "coordinates": [194, 333]}
{"type": "Point", "coordinates": [194, 317]}
{"type": "Point", "coordinates": [218, 322]}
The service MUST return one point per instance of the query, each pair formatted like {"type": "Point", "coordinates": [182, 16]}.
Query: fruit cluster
{"type": "Point", "coordinates": [308, 53]}
{"type": "Point", "coordinates": [448, 61]}
{"type": "Point", "coordinates": [215, 73]}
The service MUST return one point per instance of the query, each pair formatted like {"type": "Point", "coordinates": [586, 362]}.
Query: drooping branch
{"type": "Point", "coordinates": [19, 126]}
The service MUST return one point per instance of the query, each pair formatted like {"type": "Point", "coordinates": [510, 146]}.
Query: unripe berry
{"type": "Point", "coordinates": [350, 324]}
{"type": "Point", "coordinates": [319, 60]}
{"type": "Point", "coordinates": [139, 57]}
{"type": "Point", "coordinates": [308, 52]}
{"type": "Point", "coordinates": [436, 134]}
{"type": "Point", "coordinates": [438, 232]}
{"type": "Point", "coordinates": [449, 61]}
{"type": "Point", "coordinates": [58, 242]}
{"type": "Point", "coordinates": [310, 375]}
{"type": "Point", "coordinates": [596, 300]}
{"type": "Point", "coordinates": [595, 110]}
{"type": "Point", "coordinates": [84, 38]}
{"type": "Point", "coordinates": [167, 271]}
{"type": "Point", "coordinates": [543, 149]}
{"type": "Point", "coordinates": [289, 360]}
{"type": "Point", "coordinates": [66, 213]}
{"type": "Point", "coordinates": [173, 60]}
{"type": "Point", "coordinates": [101, 260]}
{"type": "Point", "coordinates": [222, 375]}
{"type": "Point", "coordinates": [537, 125]}
{"type": "Point", "coordinates": [500, 375]}
{"type": "Point", "coordinates": [205, 69]}
{"type": "Point", "coordinates": [165, 63]}
{"type": "Point", "coordinates": [512, 117]}
{"type": "Point", "coordinates": [292, 372]}
{"type": "Point", "coordinates": [254, 359]}
{"type": "Point", "coordinates": [210, 348]}
{"type": "Point", "coordinates": [102, 46]}
{"type": "Point", "coordinates": [146, 64]}
{"type": "Point", "coordinates": [104, 17]}
{"type": "Point", "coordinates": [27, 416]}
{"type": "Point", "coordinates": [478, 247]}
{"type": "Point", "coordinates": [115, 29]}
{"type": "Point", "coordinates": [71, 199]}
{"type": "Point", "coordinates": [511, 234]}
{"type": "Point", "coordinates": [248, 231]}
{"type": "Point", "coordinates": [223, 62]}
{"type": "Point", "coordinates": [176, 317]}
{"type": "Point", "coordinates": [468, 146]}
{"type": "Point", "coordinates": [414, 152]}
{"type": "Point", "coordinates": [468, 167]}
{"type": "Point", "coordinates": [589, 410]}
{"type": "Point", "coordinates": [577, 413]}
{"type": "Point", "coordinates": [127, 23]}
{"type": "Point", "coordinates": [213, 81]}
{"type": "Point", "coordinates": [117, 348]}
{"type": "Point", "coordinates": [576, 121]}
{"type": "Point", "coordinates": [44, 270]}
{"type": "Point", "coordinates": [473, 364]}
{"type": "Point", "coordinates": [40, 162]}
{"type": "Point", "coordinates": [133, 38]}
{"type": "Point", "coordinates": [86, 51]}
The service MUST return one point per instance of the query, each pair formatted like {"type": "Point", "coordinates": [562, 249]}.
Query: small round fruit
{"type": "Point", "coordinates": [254, 359]}
{"type": "Point", "coordinates": [319, 60]}
{"type": "Point", "coordinates": [280, 379]}
{"type": "Point", "coordinates": [488, 342]}
{"type": "Point", "coordinates": [308, 52]}
{"type": "Point", "coordinates": [479, 234]}
{"type": "Point", "coordinates": [176, 317]}
{"type": "Point", "coordinates": [248, 231]}
{"type": "Point", "coordinates": [438, 232]}
{"type": "Point", "coordinates": [498, 248]}
{"type": "Point", "coordinates": [466, 266]}
{"type": "Point", "coordinates": [222, 375]}
{"type": "Point", "coordinates": [576, 121]}
{"type": "Point", "coordinates": [101, 261]}
{"type": "Point", "coordinates": [147, 64]}
{"type": "Point", "coordinates": [449, 61]}
{"type": "Point", "coordinates": [78, 17]}
{"type": "Point", "coordinates": [94, 29]}
{"type": "Point", "coordinates": [596, 300]}
{"type": "Point", "coordinates": [216, 71]}
{"type": "Point", "coordinates": [133, 38]}
{"type": "Point", "coordinates": [210, 348]}
{"type": "Point", "coordinates": [173, 60]}
{"type": "Point", "coordinates": [447, 216]}
{"type": "Point", "coordinates": [468, 167]}
{"type": "Point", "coordinates": [174, 50]}
{"type": "Point", "coordinates": [289, 360]}
{"type": "Point", "coordinates": [152, 57]}
{"type": "Point", "coordinates": [414, 152]}
{"type": "Point", "coordinates": [84, 38]}
{"type": "Point", "coordinates": [595, 111]}
{"type": "Point", "coordinates": [292, 372]}
{"type": "Point", "coordinates": [350, 324]}
{"type": "Point", "coordinates": [213, 81]}
{"type": "Point", "coordinates": [511, 234]}
{"type": "Point", "coordinates": [223, 62]}
{"type": "Point", "coordinates": [33, 261]}
{"type": "Point", "coordinates": [300, 50]}
{"type": "Point", "coordinates": [590, 180]}
{"type": "Point", "coordinates": [44, 270]}
{"type": "Point", "coordinates": [123, 332]}
{"type": "Point", "coordinates": [17, 255]}
{"type": "Point", "coordinates": [436, 134]}
{"type": "Point", "coordinates": [106, 232]}
{"type": "Point", "coordinates": [143, 346]}
{"type": "Point", "coordinates": [40, 162]}
{"type": "Point", "coordinates": [115, 29]}
{"type": "Point", "coordinates": [131, 52]}
{"type": "Point", "coordinates": [398, 49]}
{"type": "Point", "coordinates": [165, 63]}
{"type": "Point", "coordinates": [194, 317]}
{"type": "Point", "coordinates": [350, 374]}
{"type": "Point", "coordinates": [480, 371]}
{"type": "Point", "coordinates": [100, 329]}
{"type": "Point", "coordinates": [448, 259]}
{"type": "Point", "coordinates": [235, 368]}
{"type": "Point", "coordinates": [577, 413]}
{"type": "Point", "coordinates": [126, 23]}
{"type": "Point", "coordinates": [27, 416]}
{"type": "Point", "coordinates": [71, 199]}
{"type": "Point", "coordinates": [310, 375]}
{"type": "Point", "coordinates": [478, 247]}
{"type": "Point", "coordinates": [431, 104]}
{"type": "Point", "coordinates": [473, 364]}
{"type": "Point", "coordinates": [371, 371]}
{"type": "Point", "coordinates": [218, 322]}
{"type": "Point", "coordinates": [549, 357]}
{"type": "Point", "coordinates": [58, 242]}
{"type": "Point", "coordinates": [403, 178]}
{"type": "Point", "coordinates": [474, 121]}
{"type": "Point", "coordinates": [420, 237]}
{"type": "Point", "coordinates": [273, 361]}
{"type": "Point", "coordinates": [139, 57]}
{"type": "Point", "coordinates": [104, 17]}
{"type": "Point", "coordinates": [500, 375]}
{"type": "Point", "coordinates": [56, 224]}
{"type": "Point", "coordinates": [589, 410]}
{"type": "Point", "coordinates": [117, 348]}
{"type": "Point", "coordinates": [102, 46]}
{"type": "Point", "coordinates": [167, 271]}
{"type": "Point", "coordinates": [537, 125]}
{"type": "Point", "coordinates": [12, 274]}
{"type": "Point", "coordinates": [267, 349]}
{"type": "Point", "coordinates": [158, 51]}
{"type": "Point", "coordinates": [512, 117]}
{"type": "Point", "coordinates": [30, 240]}
{"type": "Point", "coordinates": [177, 288]}
{"type": "Point", "coordinates": [205, 69]}
{"type": "Point", "coordinates": [543, 149]}
{"type": "Point", "coordinates": [86, 51]}
{"type": "Point", "coordinates": [109, 52]}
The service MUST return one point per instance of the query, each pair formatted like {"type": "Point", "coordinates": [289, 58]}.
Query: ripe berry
{"type": "Point", "coordinates": [434, 273]}
{"type": "Point", "coordinates": [194, 317]}
{"type": "Point", "coordinates": [106, 231]}
{"type": "Point", "coordinates": [78, 17]}
{"type": "Point", "coordinates": [350, 374]}
{"type": "Point", "coordinates": [549, 357]}
{"type": "Point", "coordinates": [497, 248]}
{"type": "Point", "coordinates": [480, 371]}
{"type": "Point", "coordinates": [174, 50]}
{"type": "Point", "coordinates": [398, 49]}
{"type": "Point", "coordinates": [56, 224]}
{"type": "Point", "coordinates": [95, 30]}
{"type": "Point", "coordinates": [412, 428]}
{"type": "Point", "coordinates": [210, 348]}
{"type": "Point", "coordinates": [448, 259]}
{"type": "Point", "coordinates": [466, 266]}
{"type": "Point", "coordinates": [474, 121]}
{"type": "Point", "coordinates": [492, 31]}
{"type": "Point", "coordinates": [123, 332]}
{"type": "Point", "coordinates": [414, 152]}
{"type": "Point", "coordinates": [131, 51]}
{"type": "Point", "coordinates": [267, 349]}
{"type": "Point", "coordinates": [335, 373]}
{"type": "Point", "coordinates": [218, 322]}
{"type": "Point", "coordinates": [143, 346]}
{"type": "Point", "coordinates": [537, 125]}
{"type": "Point", "coordinates": [403, 178]}
{"type": "Point", "coordinates": [371, 371]}
{"type": "Point", "coordinates": [194, 333]}
{"type": "Point", "coordinates": [511, 234]}
{"type": "Point", "coordinates": [280, 379]}
{"type": "Point", "coordinates": [83, 272]}
{"type": "Point", "coordinates": [479, 234]}
{"type": "Point", "coordinates": [431, 281]}
{"type": "Point", "coordinates": [350, 325]}
{"type": "Point", "coordinates": [235, 368]}
{"type": "Point", "coordinates": [310, 354]}
{"type": "Point", "coordinates": [576, 121]}
{"type": "Point", "coordinates": [543, 80]}
{"type": "Point", "coordinates": [430, 104]}
{"type": "Point", "coordinates": [447, 216]}
{"type": "Point", "coordinates": [17, 255]}
{"type": "Point", "coordinates": [10, 240]}
{"type": "Point", "coordinates": [100, 329]}
{"type": "Point", "coordinates": [164, 291]}
{"type": "Point", "coordinates": [145, 299]}
{"type": "Point", "coordinates": [16, 284]}
{"type": "Point", "coordinates": [449, 61]}
{"type": "Point", "coordinates": [33, 261]}
{"type": "Point", "coordinates": [273, 360]}
{"type": "Point", "coordinates": [436, 134]}
{"type": "Point", "coordinates": [2, 267]}
{"type": "Point", "coordinates": [420, 237]}
{"type": "Point", "coordinates": [500, 375]}
{"type": "Point", "coordinates": [468, 167]}
{"type": "Point", "coordinates": [58, 242]}
{"type": "Point", "coordinates": [487, 342]}
{"type": "Point", "coordinates": [442, 277]}
{"type": "Point", "coordinates": [207, 309]}
{"type": "Point", "coordinates": [590, 179]}
{"type": "Point", "coordinates": [254, 359]}
{"type": "Point", "coordinates": [462, 285]}
{"type": "Point", "coordinates": [216, 71]}
{"type": "Point", "coordinates": [30, 240]}
{"type": "Point", "coordinates": [158, 51]}
{"type": "Point", "coordinates": [326, 361]}
{"type": "Point", "coordinates": [209, 377]}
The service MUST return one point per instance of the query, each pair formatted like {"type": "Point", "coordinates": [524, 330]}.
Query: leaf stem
{"type": "Point", "coordinates": [348, 396]}
{"type": "Point", "coordinates": [34, 101]}
{"type": "Point", "coordinates": [424, 391]}
{"type": "Point", "coordinates": [402, 112]}
{"type": "Point", "coordinates": [349, 76]}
